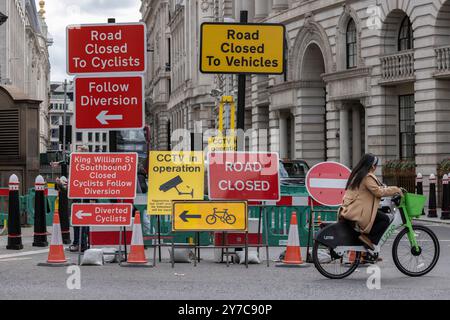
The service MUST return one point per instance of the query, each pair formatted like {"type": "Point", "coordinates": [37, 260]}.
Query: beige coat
{"type": "Point", "coordinates": [361, 205]}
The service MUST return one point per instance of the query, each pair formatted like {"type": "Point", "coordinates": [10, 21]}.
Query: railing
{"type": "Point", "coordinates": [398, 67]}
{"type": "Point", "coordinates": [443, 60]}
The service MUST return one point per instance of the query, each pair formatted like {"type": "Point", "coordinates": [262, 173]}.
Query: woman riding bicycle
{"type": "Point", "coordinates": [362, 198]}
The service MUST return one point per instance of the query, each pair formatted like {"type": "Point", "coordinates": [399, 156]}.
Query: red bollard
{"type": "Point", "coordinates": [432, 198]}
{"type": "Point", "coordinates": [14, 230]}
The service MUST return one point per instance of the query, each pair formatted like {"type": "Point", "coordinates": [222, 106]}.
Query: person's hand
{"type": "Point", "coordinates": [404, 191]}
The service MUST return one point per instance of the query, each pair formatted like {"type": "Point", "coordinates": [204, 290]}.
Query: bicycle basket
{"type": "Point", "coordinates": [414, 204]}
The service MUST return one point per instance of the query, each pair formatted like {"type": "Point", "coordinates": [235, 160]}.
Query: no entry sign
{"type": "Point", "coordinates": [243, 176]}
{"type": "Point", "coordinates": [109, 102]}
{"type": "Point", "coordinates": [103, 175]}
{"type": "Point", "coordinates": [102, 214]}
{"type": "Point", "coordinates": [326, 182]}
{"type": "Point", "coordinates": [102, 48]}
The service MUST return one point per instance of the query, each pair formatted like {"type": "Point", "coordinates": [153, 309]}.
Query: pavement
{"type": "Point", "coordinates": [22, 279]}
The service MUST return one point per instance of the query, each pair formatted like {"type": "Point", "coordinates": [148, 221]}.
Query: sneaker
{"type": "Point", "coordinates": [363, 238]}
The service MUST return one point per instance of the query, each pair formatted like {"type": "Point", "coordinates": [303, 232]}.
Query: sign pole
{"type": "Point", "coordinates": [159, 238]}
{"type": "Point", "coordinates": [241, 96]}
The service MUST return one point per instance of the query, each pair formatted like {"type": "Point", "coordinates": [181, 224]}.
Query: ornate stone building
{"type": "Point", "coordinates": [362, 76]}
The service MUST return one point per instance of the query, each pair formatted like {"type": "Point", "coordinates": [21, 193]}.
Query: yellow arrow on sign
{"type": "Point", "coordinates": [209, 216]}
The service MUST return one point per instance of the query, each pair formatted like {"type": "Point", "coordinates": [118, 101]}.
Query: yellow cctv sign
{"type": "Point", "coordinates": [209, 216]}
{"type": "Point", "coordinates": [222, 143]}
{"type": "Point", "coordinates": [174, 175]}
{"type": "Point", "coordinates": [242, 48]}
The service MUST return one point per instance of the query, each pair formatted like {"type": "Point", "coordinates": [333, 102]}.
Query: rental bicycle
{"type": "Point", "coordinates": [337, 251]}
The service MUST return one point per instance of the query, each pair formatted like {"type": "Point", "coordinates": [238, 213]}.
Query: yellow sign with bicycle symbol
{"type": "Point", "coordinates": [209, 216]}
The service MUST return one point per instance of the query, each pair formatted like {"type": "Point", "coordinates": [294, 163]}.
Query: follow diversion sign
{"type": "Point", "coordinates": [242, 48]}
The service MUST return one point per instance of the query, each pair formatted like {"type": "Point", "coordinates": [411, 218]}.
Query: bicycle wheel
{"type": "Point", "coordinates": [416, 263]}
{"type": "Point", "coordinates": [211, 219]}
{"type": "Point", "coordinates": [230, 219]}
{"type": "Point", "coordinates": [332, 265]}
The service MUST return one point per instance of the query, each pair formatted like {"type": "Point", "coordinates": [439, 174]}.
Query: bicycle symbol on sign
{"type": "Point", "coordinates": [224, 216]}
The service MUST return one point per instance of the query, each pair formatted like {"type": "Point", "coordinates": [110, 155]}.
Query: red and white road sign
{"type": "Point", "coordinates": [109, 102]}
{"type": "Point", "coordinates": [106, 48]}
{"type": "Point", "coordinates": [243, 176]}
{"type": "Point", "coordinates": [102, 214]}
{"type": "Point", "coordinates": [103, 175]}
{"type": "Point", "coordinates": [326, 182]}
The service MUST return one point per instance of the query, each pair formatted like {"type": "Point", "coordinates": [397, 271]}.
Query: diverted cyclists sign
{"type": "Point", "coordinates": [106, 48]}
{"type": "Point", "coordinates": [242, 48]}
{"type": "Point", "coordinates": [103, 175]}
{"type": "Point", "coordinates": [109, 102]}
{"type": "Point", "coordinates": [174, 175]}
{"type": "Point", "coordinates": [326, 182]}
{"type": "Point", "coordinates": [251, 176]}
{"type": "Point", "coordinates": [102, 214]}
{"type": "Point", "coordinates": [209, 216]}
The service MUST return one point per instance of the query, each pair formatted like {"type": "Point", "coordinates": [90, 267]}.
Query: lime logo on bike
{"type": "Point", "coordinates": [209, 216]}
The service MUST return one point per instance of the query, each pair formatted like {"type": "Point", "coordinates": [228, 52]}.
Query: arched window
{"type": "Point", "coordinates": [351, 44]}
{"type": "Point", "coordinates": [405, 36]}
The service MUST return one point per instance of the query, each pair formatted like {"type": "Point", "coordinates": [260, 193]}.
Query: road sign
{"type": "Point", "coordinates": [326, 182]}
{"type": "Point", "coordinates": [222, 143]}
{"type": "Point", "coordinates": [103, 175]}
{"type": "Point", "coordinates": [242, 48]}
{"type": "Point", "coordinates": [174, 175]}
{"type": "Point", "coordinates": [105, 48]}
{"type": "Point", "coordinates": [102, 214]}
{"type": "Point", "coordinates": [243, 176]}
{"type": "Point", "coordinates": [209, 216]}
{"type": "Point", "coordinates": [109, 102]}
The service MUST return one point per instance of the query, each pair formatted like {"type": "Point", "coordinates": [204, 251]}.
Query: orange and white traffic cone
{"type": "Point", "coordinates": [293, 256]}
{"type": "Point", "coordinates": [56, 257]}
{"type": "Point", "coordinates": [136, 257]}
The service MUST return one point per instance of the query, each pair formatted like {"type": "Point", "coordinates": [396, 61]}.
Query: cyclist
{"type": "Point", "coordinates": [361, 201]}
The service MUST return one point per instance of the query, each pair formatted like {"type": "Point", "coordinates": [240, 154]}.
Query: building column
{"type": "Point", "coordinates": [344, 135]}
{"type": "Point", "coordinates": [279, 5]}
{"type": "Point", "coordinates": [283, 137]}
{"type": "Point", "coordinates": [261, 9]}
{"type": "Point", "coordinates": [356, 135]}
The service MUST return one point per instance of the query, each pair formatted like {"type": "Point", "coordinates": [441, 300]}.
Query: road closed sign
{"type": "Point", "coordinates": [242, 48]}
{"type": "Point", "coordinates": [102, 214]}
{"type": "Point", "coordinates": [209, 216]}
{"type": "Point", "coordinates": [106, 48]}
{"type": "Point", "coordinates": [109, 102]}
{"type": "Point", "coordinates": [243, 176]}
{"type": "Point", "coordinates": [103, 175]}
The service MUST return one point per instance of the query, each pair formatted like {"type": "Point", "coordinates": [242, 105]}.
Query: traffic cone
{"type": "Point", "coordinates": [293, 256]}
{"type": "Point", "coordinates": [136, 257]}
{"type": "Point", "coordinates": [56, 257]}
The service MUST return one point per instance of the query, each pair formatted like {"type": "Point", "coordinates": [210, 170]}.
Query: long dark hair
{"type": "Point", "coordinates": [360, 171]}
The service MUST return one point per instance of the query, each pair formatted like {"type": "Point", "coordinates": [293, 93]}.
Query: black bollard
{"type": "Point", "coordinates": [40, 223]}
{"type": "Point", "coordinates": [64, 210]}
{"type": "Point", "coordinates": [14, 230]}
{"type": "Point", "coordinates": [419, 187]}
{"type": "Point", "coordinates": [445, 214]}
{"type": "Point", "coordinates": [432, 198]}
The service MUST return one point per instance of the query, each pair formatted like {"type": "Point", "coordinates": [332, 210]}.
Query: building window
{"type": "Point", "coordinates": [407, 132]}
{"type": "Point", "coordinates": [55, 120]}
{"type": "Point", "coordinates": [55, 133]}
{"type": "Point", "coordinates": [90, 148]}
{"type": "Point", "coordinates": [104, 137]}
{"type": "Point", "coordinates": [351, 44]}
{"type": "Point", "coordinates": [104, 148]}
{"type": "Point", "coordinates": [90, 137]}
{"type": "Point", "coordinates": [97, 137]}
{"type": "Point", "coordinates": [79, 136]}
{"type": "Point", "coordinates": [97, 148]}
{"type": "Point", "coordinates": [405, 36]}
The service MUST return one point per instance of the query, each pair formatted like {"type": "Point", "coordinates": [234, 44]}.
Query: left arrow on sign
{"type": "Point", "coordinates": [103, 117]}
{"type": "Point", "coordinates": [80, 214]}
{"type": "Point", "coordinates": [184, 216]}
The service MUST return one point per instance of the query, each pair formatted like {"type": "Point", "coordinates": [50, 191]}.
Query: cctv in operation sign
{"type": "Point", "coordinates": [242, 48]}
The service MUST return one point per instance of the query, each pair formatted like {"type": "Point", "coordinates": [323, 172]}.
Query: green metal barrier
{"type": "Point", "coordinates": [4, 207]}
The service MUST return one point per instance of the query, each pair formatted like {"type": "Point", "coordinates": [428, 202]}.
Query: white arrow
{"type": "Point", "coordinates": [103, 117]}
{"type": "Point", "coordinates": [80, 214]}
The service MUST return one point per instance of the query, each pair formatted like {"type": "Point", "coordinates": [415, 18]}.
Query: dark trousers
{"type": "Point", "coordinates": [380, 225]}
{"type": "Point", "coordinates": [84, 236]}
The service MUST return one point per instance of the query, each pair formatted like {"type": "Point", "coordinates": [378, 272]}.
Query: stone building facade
{"type": "Point", "coordinates": [362, 76]}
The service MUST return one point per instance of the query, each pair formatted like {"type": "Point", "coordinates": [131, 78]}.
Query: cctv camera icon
{"type": "Point", "coordinates": [173, 184]}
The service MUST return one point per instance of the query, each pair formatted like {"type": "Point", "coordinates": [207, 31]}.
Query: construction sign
{"type": "Point", "coordinates": [242, 48]}
{"type": "Point", "coordinates": [174, 175]}
{"type": "Point", "coordinates": [209, 216]}
{"type": "Point", "coordinates": [222, 143]}
{"type": "Point", "coordinates": [102, 214]}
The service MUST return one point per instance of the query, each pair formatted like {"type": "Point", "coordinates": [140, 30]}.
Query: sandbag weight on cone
{"type": "Point", "coordinates": [40, 223]}
{"type": "Point", "coordinates": [14, 230]}
{"type": "Point", "coordinates": [432, 198]}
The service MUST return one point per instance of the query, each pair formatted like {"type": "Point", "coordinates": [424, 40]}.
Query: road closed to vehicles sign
{"type": "Point", "coordinates": [103, 175]}
{"type": "Point", "coordinates": [174, 175]}
{"type": "Point", "coordinates": [243, 176]}
{"type": "Point", "coordinates": [242, 48]}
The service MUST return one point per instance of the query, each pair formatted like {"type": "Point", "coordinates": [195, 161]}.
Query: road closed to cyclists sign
{"type": "Point", "coordinates": [209, 216]}
{"type": "Point", "coordinates": [242, 48]}
{"type": "Point", "coordinates": [243, 176]}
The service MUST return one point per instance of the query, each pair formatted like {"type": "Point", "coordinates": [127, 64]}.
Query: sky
{"type": "Point", "coordinates": [60, 13]}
